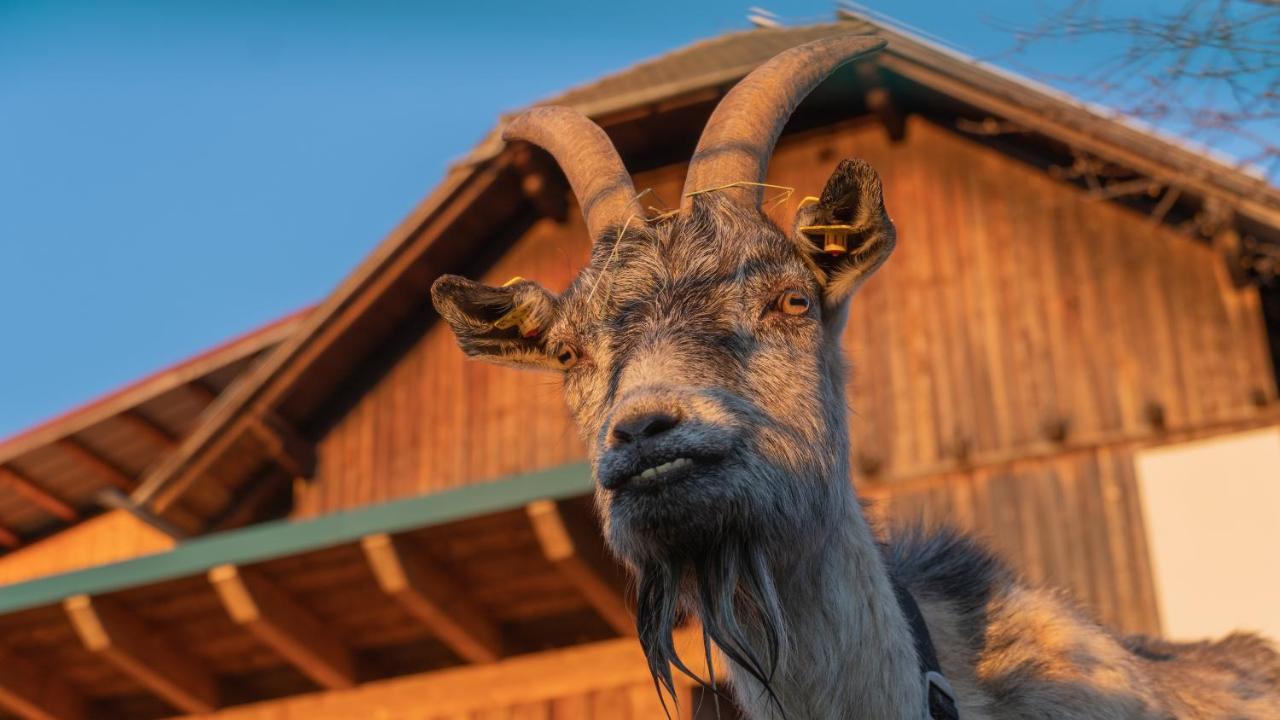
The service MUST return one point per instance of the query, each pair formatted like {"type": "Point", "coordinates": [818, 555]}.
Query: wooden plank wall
{"type": "Point", "coordinates": [111, 537]}
{"type": "Point", "coordinates": [1021, 337]}
{"type": "Point", "coordinates": [1071, 521]}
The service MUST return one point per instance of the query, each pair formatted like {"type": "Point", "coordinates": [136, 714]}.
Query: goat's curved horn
{"type": "Point", "coordinates": [589, 160]}
{"type": "Point", "coordinates": [738, 139]}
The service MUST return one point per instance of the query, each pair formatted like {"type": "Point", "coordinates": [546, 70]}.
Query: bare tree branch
{"type": "Point", "coordinates": [1207, 69]}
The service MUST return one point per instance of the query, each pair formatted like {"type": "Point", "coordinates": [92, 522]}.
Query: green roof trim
{"type": "Point", "coordinates": [286, 537]}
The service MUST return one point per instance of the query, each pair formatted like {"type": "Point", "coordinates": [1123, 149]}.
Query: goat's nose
{"type": "Point", "coordinates": [642, 425]}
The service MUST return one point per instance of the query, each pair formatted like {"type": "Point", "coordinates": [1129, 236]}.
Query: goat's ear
{"type": "Point", "coordinates": [846, 232]}
{"type": "Point", "coordinates": [505, 325]}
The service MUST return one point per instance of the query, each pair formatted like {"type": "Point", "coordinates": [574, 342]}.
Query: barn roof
{"type": "Point", "coordinates": [471, 577]}
{"type": "Point", "coordinates": [55, 472]}
{"type": "Point", "coordinates": [670, 97]}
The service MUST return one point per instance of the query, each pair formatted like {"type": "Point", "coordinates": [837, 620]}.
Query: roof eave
{"type": "Point", "coordinates": [284, 538]}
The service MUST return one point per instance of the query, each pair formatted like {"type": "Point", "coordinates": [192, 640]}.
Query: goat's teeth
{"type": "Point", "coordinates": [664, 468]}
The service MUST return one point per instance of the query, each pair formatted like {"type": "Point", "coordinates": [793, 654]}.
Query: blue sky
{"type": "Point", "coordinates": [174, 173]}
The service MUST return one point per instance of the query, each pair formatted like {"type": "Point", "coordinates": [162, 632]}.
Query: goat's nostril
{"type": "Point", "coordinates": [644, 425]}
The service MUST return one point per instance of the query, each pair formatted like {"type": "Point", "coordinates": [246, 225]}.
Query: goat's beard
{"type": "Point", "coordinates": [729, 588]}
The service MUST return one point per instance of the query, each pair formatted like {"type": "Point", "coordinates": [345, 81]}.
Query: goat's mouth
{"type": "Point", "coordinates": [651, 473]}
{"type": "Point", "coordinates": [659, 473]}
{"type": "Point", "coordinates": [674, 503]}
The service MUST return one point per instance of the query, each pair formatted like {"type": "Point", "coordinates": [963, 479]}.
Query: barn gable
{"type": "Point", "coordinates": [64, 471]}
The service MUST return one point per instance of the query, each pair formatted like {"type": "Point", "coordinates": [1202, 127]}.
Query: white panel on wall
{"type": "Point", "coordinates": [1212, 511]}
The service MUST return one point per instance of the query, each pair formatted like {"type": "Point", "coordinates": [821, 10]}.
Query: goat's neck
{"type": "Point", "coordinates": [850, 652]}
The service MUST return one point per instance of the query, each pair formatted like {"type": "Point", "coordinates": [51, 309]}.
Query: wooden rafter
{"type": "Point", "coordinates": [202, 391]}
{"type": "Point", "coordinates": [9, 538]}
{"type": "Point", "coordinates": [430, 596]}
{"type": "Point", "coordinates": [292, 452]}
{"type": "Point", "coordinates": [574, 547]}
{"type": "Point", "coordinates": [96, 464]}
{"type": "Point", "coordinates": [142, 425]}
{"type": "Point", "coordinates": [149, 388]}
{"type": "Point", "coordinates": [249, 500]}
{"type": "Point", "coordinates": [116, 500]}
{"type": "Point", "coordinates": [111, 631]}
{"type": "Point", "coordinates": [284, 625]}
{"type": "Point", "coordinates": [29, 489]}
{"type": "Point", "coordinates": [33, 694]}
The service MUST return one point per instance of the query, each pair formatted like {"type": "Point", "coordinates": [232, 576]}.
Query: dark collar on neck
{"type": "Point", "coordinates": [941, 699]}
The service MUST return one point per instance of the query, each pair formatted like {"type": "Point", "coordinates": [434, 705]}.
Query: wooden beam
{"type": "Point", "coordinates": [575, 548]}
{"type": "Point", "coordinates": [32, 694]}
{"type": "Point", "coordinates": [113, 499]}
{"type": "Point", "coordinates": [249, 500]}
{"type": "Point", "coordinates": [96, 463]}
{"type": "Point", "coordinates": [108, 629]}
{"type": "Point", "coordinates": [467, 691]}
{"type": "Point", "coordinates": [292, 452]}
{"type": "Point", "coordinates": [883, 105]}
{"type": "Point", "coordinates": [47, 501]}
{"type": "Point", "coordinates": [205, 394]}
{"type": "Point", "coordinates": [540, 183]}
{"type": "Point", "coordinates": [140, 424]}
{"type": "Point", "coordinates": [1226, 241]}
{"type": "Point", "coordinates": [284, 625]}
{"type": "Point", "coordinates": [428, 594]}
{"type": "Point", "coordinates": [9, 538]}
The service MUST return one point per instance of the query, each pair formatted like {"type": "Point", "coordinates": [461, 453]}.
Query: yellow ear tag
{"type": "Point", "coordinates": [528, 329]}
{"type": "Point", "coordinates": [835, 238]}
{"type": "Point", "coordinates": [518, 316]}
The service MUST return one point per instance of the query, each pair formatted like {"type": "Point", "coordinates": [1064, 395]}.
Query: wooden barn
{"type": "Point", "coordinates": [339, 517]}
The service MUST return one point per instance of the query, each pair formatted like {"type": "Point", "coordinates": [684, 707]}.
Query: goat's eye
{"type": "Point", "coordinates": [793, 302]}
{"type": "Point", "coordinates": [566, 355]}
